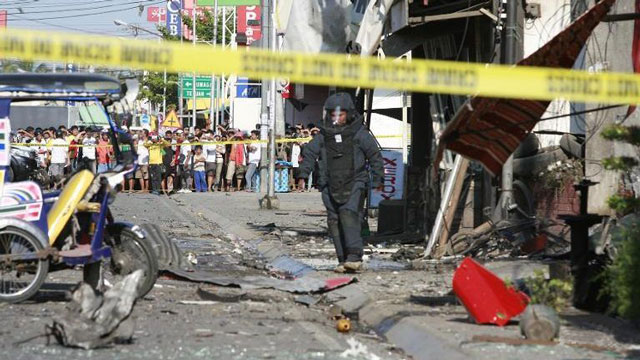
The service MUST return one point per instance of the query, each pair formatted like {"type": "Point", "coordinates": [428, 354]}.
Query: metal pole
{"type": "Point", "coordinates": [272, 108]}
{"type": "Point", "coordinates": [164, 82]}
{"type": "Point", "coordinates": [446, 198]}
{"type": "Point", "coordinates": [213, 77]}
{"type": "Point", "coordinates": [264, 112]}
{"type": "Point", "coordinates": [193, 86]}
{"type": "Point", "coordinates": [222, 94]}
{"type": "Point", "coordinates": [510, 57]}
{"type": "Point", "coordinates": [180, 89]}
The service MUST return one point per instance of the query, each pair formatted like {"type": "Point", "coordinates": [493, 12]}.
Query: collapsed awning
{"type": "Point", "coordinates": [489, 130]}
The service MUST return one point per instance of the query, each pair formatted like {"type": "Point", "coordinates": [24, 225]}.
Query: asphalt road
{"type": "Point", "coordinates": [270, 325]}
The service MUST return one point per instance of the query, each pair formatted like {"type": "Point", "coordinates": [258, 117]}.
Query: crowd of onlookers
{"type": "Point", "coordinates": [183, 160]}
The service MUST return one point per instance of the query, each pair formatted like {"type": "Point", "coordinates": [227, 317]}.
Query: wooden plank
{"type": "Point", "coordinates": [452, 207]}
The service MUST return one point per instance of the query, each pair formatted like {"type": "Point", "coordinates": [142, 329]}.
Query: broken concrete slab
{"type": "Point", "coordinates": [417, 340]}
{"type": "Point", "coordinates": [350, 298]}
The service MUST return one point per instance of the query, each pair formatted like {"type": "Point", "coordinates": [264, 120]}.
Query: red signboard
{"type": "Point", "coordinates": [249, 15]}
{"type": "Point", "coordinates": [156, 14]}
{"type": "Point", "coordinates": [3, 18]}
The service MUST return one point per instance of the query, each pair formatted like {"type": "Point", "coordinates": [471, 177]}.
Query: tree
{"type": "Point", "coordinates": [623, 274]}
{"type": "Point", "coordinates": [152, 84]}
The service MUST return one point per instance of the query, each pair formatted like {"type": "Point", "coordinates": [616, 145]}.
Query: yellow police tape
{"type": "Point", "coordinates": [325, 69]}
{"type": "Point", "coordinates": [202, 143]}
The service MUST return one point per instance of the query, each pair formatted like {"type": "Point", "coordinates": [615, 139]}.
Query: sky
{"type": "Point", "coordinates": [82, 16]}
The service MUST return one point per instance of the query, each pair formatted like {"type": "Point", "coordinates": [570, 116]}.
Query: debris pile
{"type": "Point", "coordinates": [94, 319]}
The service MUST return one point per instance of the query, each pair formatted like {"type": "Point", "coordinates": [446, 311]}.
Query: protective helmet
{"type": "Point", "coordinates": [340, 102]}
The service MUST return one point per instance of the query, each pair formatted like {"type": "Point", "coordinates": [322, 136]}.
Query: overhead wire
{"type": "Point", "coordinates": [50, 5]}
{"type": "Point", "coordinates": [94, 13]}
{"type": "Point", "coordinates": [140, 2]}
{"type": "Point", "coordinates": [68, 27]}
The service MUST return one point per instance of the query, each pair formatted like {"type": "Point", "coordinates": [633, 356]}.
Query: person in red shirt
{"type": "Point", "coordinates": [237, 162]}
{"type": "Point", "coordinates": [105, 152]}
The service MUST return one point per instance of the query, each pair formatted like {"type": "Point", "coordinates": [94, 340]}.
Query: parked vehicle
{"type": "Point", "coordinates": [40, 231]}
{"type": "Point", "coordinates": [24, 167]}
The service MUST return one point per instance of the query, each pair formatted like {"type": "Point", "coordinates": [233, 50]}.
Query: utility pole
{"type": "Point", "coordinates": [193, 85]}
{"type": "Point", "coordinates": [212, 102]}
{"type": "Point", "coordinates": [264, 112]}
{"type": "Point", "coordinates": [270, 201]}
{"type": "Point", "coordinates": [222, 86]}
{"type": "Point", "coordinates": [511, 55]}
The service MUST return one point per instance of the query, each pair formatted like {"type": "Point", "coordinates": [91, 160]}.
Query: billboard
{"type": "Point", "coordinates": [174, 19]}
{"type": "Point", "coordinates": [228, 2]}
{"type": "Point", "coordinates": [156, 14]}
{"type": "Point", "coordinates": [248, 89]}
{"type": "Point", "coordinates": [249, 15]}
{"type": "Point", "coordinates": [393, 177]}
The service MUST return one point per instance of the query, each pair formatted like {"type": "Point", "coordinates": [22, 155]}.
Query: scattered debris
{"type": "Point", "coordinates": [307, 299]}
{"type": "Point", "coordinates": [290, 233]}
{"type": "Point", "coordinates": [520, 341]}
{"type": "Point", "coordinates": [192, 257]}
{"type": "Point", "coordinates": [227, 298]}
{"type": "Point", "coordinates": [358, 350]}
{"type": "Point", "coordinates": [343, 325]}
{"type": "Point", "coordinates": [96, 320]}
{"type": "Point", "coordinates": [540, 322]}
{"type": "Point", "coordinates": [485, 296]}
{"type": "Point", "coordinates": [197, 302]}
{"type": "Point", "coordinates": [336, 312]}
{"type": "Point", "coordinates": [307, 284]}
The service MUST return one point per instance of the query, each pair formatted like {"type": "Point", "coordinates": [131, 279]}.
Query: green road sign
{"type": "Point", "coordinates": [228, 2]}
{"type": "Point", "coordinates": [203, 87]}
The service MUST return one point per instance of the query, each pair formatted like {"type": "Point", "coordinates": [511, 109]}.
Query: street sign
{"type": "Point", "coordinates": [227, 2]}
{"type": "Point", "coordinates": [171, 121]}
{"type": "Point", "coordinates": [203, 87]}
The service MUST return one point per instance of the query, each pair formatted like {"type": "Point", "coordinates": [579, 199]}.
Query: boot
{"type": "Point", "coordinates": [353, 266]}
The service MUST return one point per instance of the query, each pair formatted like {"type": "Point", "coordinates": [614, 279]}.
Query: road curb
{"type": "Point", "coordinates": [408, 333]}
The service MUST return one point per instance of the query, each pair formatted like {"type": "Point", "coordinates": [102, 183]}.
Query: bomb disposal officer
{"type": "Point", "coordinates": [346, 152]}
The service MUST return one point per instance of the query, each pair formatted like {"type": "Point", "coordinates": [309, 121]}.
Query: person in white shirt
{"type": "Point", "coordinates": [41, 150]}
{"type": "Point", "coordinates": [142, 173]}
{"type": "Point", "coordinates": [221, 150]}
{"type": "Point", "coordinates": [185, 164]}
{"type": "Point", "coordinates": [59, 159]}
{"type": "Point", "coordinates": [253, 160]}
{"type": "Point", "coordinates": [209, 151]}
{"type": "Point", "coordinates": [89, 150]}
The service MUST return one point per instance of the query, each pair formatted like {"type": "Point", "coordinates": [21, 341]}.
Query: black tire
{"type": "Point", "coordinates": [13, 238]}
{"type": "Point", "coordinates": [528, 147]}
{"type": "Point", "coordinates": [129, 253]}
{"type": "Point", "coordinates": [11, 174]}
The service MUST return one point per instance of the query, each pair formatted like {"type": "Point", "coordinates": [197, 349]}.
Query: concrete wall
{"type": "Point", "coordinates": [609, 49]}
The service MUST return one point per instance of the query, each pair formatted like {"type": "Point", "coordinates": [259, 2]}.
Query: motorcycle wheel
{"type": "Point", "coordinates": [20, 281]}
{"type": "Point", "coordinates": [128, 254]}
